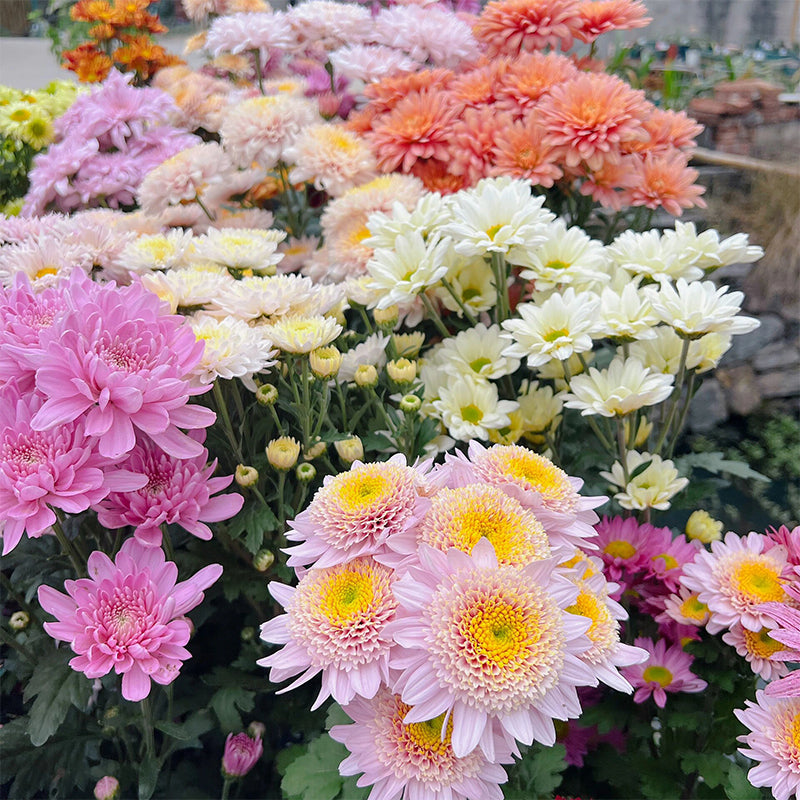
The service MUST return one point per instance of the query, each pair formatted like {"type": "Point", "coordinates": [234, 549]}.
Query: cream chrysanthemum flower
{"type": "Point", "coordinates": [707, 351]}
{"type": "Point", "coordinates": [254, 297]}
{"type": "Point", "coordinates": [470, 409]}
{"type": "Point", "coordinates": [429, 213]}
{"type": "Point", "coordinates": [232, 350]}
{"type": "Point", "coordinates": [653, 256]}
{"type": "Point", "coordinates": [707, 251]}
{"type": "Point", "coordinates": [539, 406]}
{"type": "Point", "coordinates": [662, 353]}
{"type": "Point", "coordinates": [156, 251]}
{"type": "Point", "coordinates": [297, 334]}
{"type": "Point", "coordinates": [477, 353]}
{"type": "Point", "coordinates": [694, 309]}
{"type": "Point", "coordinates": [241, 248]}
{"type": "Point", "coordinates": [472, 283]}
{"type": "Point", "coordinates": [654, 487]}
{"type": "Point", "coordinates": [624, 386]}
{"type": "Point", "coordinates": [626, 315]}
{"type": "Point", "coordinates": [189, 289]}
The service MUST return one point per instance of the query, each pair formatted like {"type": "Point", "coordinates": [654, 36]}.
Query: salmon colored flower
{"type": "Point", "coordinates": [600, 16]}
{"type": "Point", "coordinates": [387, 93]}
{"type": "Point", "coordinates": [520, 151]}
{"type": "Point", "coordinates": [666, 181]}
{"type": "Point", "coordinates": [529, 77]}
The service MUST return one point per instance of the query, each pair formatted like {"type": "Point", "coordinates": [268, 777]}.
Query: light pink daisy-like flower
{"type": "Point", "coordinates": [335, 623]}
{"type": "Point", "coordinates": [788, 634]}
{"type": "Point", "coordinates": [353, 513]}
{"type": "Point", "coordinates": [238, 33]}
{"type": "Point", "coordinates": [177, 491]}
{"type": "Point", "coordinates": [735, 579]}
{"type": "Point", "coordinates": [757, 648]}
{"type": "Point", "coordinates": [128, 616]}
{"type": "Point", "coordinates": [666, 670]}
{"type": "Point", "coordinates": [42, 470]}
{"type": "Point", "coordinates": [115, 358]}
{"type": "Point", "coordinates": [485, 642]}
{"type": "Point", "coordinates": [789, 540]}
{"type": "Point", "coordinates": [684, 608]}
{"type": "Point", "coordinates": [774, 742]}
{"type": "Point", "coordinates": [328, 24]}
{"type": "Point", "coordinates": [415, 759]}
{"type": "Point", "coordinates": [370, 62]}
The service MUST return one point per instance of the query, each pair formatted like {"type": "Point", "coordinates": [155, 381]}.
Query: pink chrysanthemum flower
{"type": "Point", "coordinates": [241, 754]}
{"type": "Point", "coordinates": [757, 648]}
{"type": "Point", "coordinates": [666, 181]}
{"type": "Point", "coordinates": [607, 184]}
{"type": "Point", "coordinates": [128, 616]}
{"type": "Point", "coordinates": [735, 579]}
{"type": "Point", "coordinates": [600, 16]}
{"type": "Point", "coordinates": [116, 359]}
{"type": "Point", "coordinates": [415, 759]}
{"type": "Point", "coordinates": [788, 634]}
{"type": "Point", "coordinates": [353, 513]}
{"type": "Point", "coordinates": [774, 742]}
{"type": "Point", "coordinates": [789, 540]}
{"type": "Point", "coordinates": [335, 623]}
{"type": "Point", "coordinates": [623, 546]}
{"type": "Point", "coordinates": [529, 77]}
{"type": "Point", "coordinates": [473, 142]}
{"type": "Point", "coordinates": [667, 556]}
{"type": "Point", "coordinates": [668, 129]}
{"type": "Point", "coordinates": [42, 470]}
{"type": "Point", "coordinates": [487, 642]}
{"type": "Point", "coordinates": [178, 491]}
{"type": "Point", "coordinates": [685, 608]}
{"type": "Point", "coordinates": [667, 670]}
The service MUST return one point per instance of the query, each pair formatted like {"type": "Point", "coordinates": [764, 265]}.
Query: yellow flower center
{"type": "Point", "coordinates": [541, 473]}
{"type": "Point", "coordinates": [361, 489]}
{"type": "Point", "coordinates": [345, 595]}
{"type": "Point", "coordinates": [493, 231]}
{"type": "Point", "coordinates": [357, 235]}
{"type": "Point", "coordinates": [479, 363]}
{"type": "Point", "coordinates": [793, 737]}
{"type": "Point", "coordinates": [20, 115]}
{"type": "Point", "coordinates": [40, 273]}
{"type": "Point", "coordinates": [501, 529]}
{"type": "Point", "coordinates": [158, 249]}
{"type": "Point", "coordinates": [620, 548]}
{"type": "Point", "coordinates": [589, 605]}
{"type": "Point", "coordinates": [693, 609]}
{"type": "Point", "coordinates": [759, 582]}
{"type": "Point", "coordinates": [428, 735]}
{"type": "Point", "coordinates": [471, 414]}
{"type": "Point", "coordinates": [552, 336]}
{"type": "Point", "coordinates": [660, 675]}
{"type": "Point", "coordinates": [341, 140]}
{"type": "Point", "coordinates": [556, 265]}
{"type": "Point", "coordinates": [670, 562]}
{"type": "Point", "coordinates": [498, 632]}
{"type": "Point", "coordinates": [761, 644]}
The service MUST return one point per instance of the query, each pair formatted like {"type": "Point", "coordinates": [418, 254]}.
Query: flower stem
{"type": "Point", "coordinates": [69, 549]}
{"type": "Point", "coordinates": [500, 272]}
{"type": "Point", "coordinates": [469, 316]}
{"type": "Point", "coordinates": [6, 638]}
{"type": "Point", "coordinates": [434, 315]}
{"type": "Point", "coordinates": [676, 393]}
{"type": "Point", "coordinates": [203, 206]}
{"type": "Point", "coordinates": [222, 407]}
{"type": "Point", "coordinates": [259, 76]}
{"type": "Point", "coordinates": [147, 727]}
{"type": "Point", "coordinates": [226, 789]}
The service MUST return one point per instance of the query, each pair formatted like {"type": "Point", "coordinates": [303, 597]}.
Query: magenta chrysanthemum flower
{"type": "Point", "coordinates": [415, 759]}
{"type": "Point", "coordinates": [177, 491]}
{"type": "Point", "coordinates": [116, 359]}
{"type": "Point", "coordinates": [42, 470]}
{"type": "Point", "coordinates": [668, 555]}
{"type": "Point", "coordinates": [773, 741]}
{"type": "Point", "coordinates": [667, 670]}
{"type": "Point", "coordinates": [240, 755]}
{"type": "Point", "coordinates": [128, 616]}
{"type": "Point", "coordinates": [623, 546]}
{"type": "Point", "coordinates": [335, 623]}
{"type": "Point", "coordinates": [488, 642]}
{"type": "Point", "coordinates": [736, 578]}
{"type": "Point", "coordinates": [354, 512]}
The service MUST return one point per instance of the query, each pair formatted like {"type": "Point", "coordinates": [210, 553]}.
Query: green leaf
{"type": "Point", "coordinates": [738, 787]}
{"type": "Point", "coordinates": [716, 463]}
{"type": "Point", "coordinates": [225, 702]}
{"type": "Point", "coordinates": [316, 774]}
{"type": "Point", "coordinates": [56, 687]}
{"type": "Point", "coordinates": [640, 469]}
{"type": "Point", "coordinates": [188, 731]}
{"type": "Point", "coordinates": [148, 777]}
{"type": "Point", "coordinates": [712, 766]}
{"type": "Point", "coordinates": [254, 519]}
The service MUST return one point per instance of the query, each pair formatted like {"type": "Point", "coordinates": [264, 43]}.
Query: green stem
{"type": "Point", "coordinates": [306, 407]}
{"type": "Point", "coordinates": [342, 404]}
{"type": "Point", "coordinates": [468, 315]}
{"type": "Point", "coordinates": [6, 638]}
{"type": "Point", "coordinates": [259, 76]}
{"type": "Point", "coordinates": [69, 550]}
{"type": "Point", "coordinates": [202, 205]}
{"type": "Point", "coordinates": [676, 393]}
{"type": "Point", "coordinates": [365, 317]}
{"type": "Point", "coordinates": [434, 316]}
{"type": "Point", "coordinates": [281, 506]}
{"type": "Point", "coordinates": [608, 445]}
{"type": "Point", "coordinates": [222, 408]}
{"type": "Point", "coordinates": [226, 788]}
{"type": "Point", "coordinates": [500, 272]}
{"type": "Point", "coordinates": [323, 411]}
{"type": "Point", "coordinates": [147, 727]}
{"type": "Point", "coordinates": [167, 542]}
{"type": "Point", "coordinates": [18, 598]}
{"type": "Point", "coordinates": [621, 449]}
{"type": "Point", "coordinates": [683, 414]}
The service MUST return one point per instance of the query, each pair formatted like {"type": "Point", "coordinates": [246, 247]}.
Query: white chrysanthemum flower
{"type": "Point", "coordinates": [707, 351]}
{"type": "Point", "coordinates": [371, 351]}
{"type": "Point", "coordinates": [412, 266]}
{"type": "Point", "coordinates": [330, 24]}
{"type": "Point", "coordinates": [193, 287]}
{"type": "Point", "coordinates": [243, 31]}
{"type": "Point", "coordinates": [707, 252]}
{"type": "Point", "coordinates": [626, 315]}
{"type": "Point", "coordinates": [694, 309]}
{"type": "Point", "coordinates": [359, 290]}
{"type": "Point", "coordinates": [477, 353]}
{"type": "Point", "coordinates": [324, 299]}
{"type": "Point", "coordinates": [241, 248]}
{"type": "Point", "coordinates": [567, 256]}
{"type": "Point", "coordinates": [254, 297]}
{"type": "Point", "coordinates": [370, 62]}
{"type": "Point", "coordinates": [233, 350]}
{"type": "Point", "coordinates": [497, 215]}
{"type": "Point", "coordinates": [662, 353]}
{"type": "Point", "coordinates": [557, 328]}
{"type": "Point", "coordinates": [653, 256]}
{"type": "Point", "coordinates": [298, 334]}
{"type": "Point", "coordinates": [553, 370]}
{"type": "Point", "coordinates": [470, 409]}
{"type": "Point", "coordinates": [430, 212]}
{"type": "Point", "coordinates": [296, 252]}
{"type": "Point", "coordinates": [652, 488]}
{"type": "Point", "coordinates": [331, 157]}
{"type": "Point", "coordinates": [622, 387]}
{"type": "Point", "coordinates": [472, 283]}
{"type": "Point", "coordinates": [156, 251]}
{"type": "Point", "coordinates": [539, 405]}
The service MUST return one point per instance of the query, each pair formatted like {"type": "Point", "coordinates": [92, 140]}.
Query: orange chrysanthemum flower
{"type": "Point", "coordinates": [589, 117]}
{"type": "Point", "coordinates": [521, 152]}
{"type": "Point", "coordinates": [92, 11]}
{"type": "Point", "coordinates": [510, 27]}
{"type": "Point", "coordinates": [667, 181]}
{"type": "Point", "coordinates": [362, 120]}
{"type": "Point", "coordinates": [87, 62]}
{"type": "Point", "coordinates": [387, 93]}
{"type": "Point", "coordinates": [529, 77]}
{"type": "Point", "coordinates": [600, 16]}
{"type": "Point", "coordinates": [607, 184]}
{"type": "Point", "coordinates": [478, 86]}
{"type": "Point", "coordinates": [102, 32]}
{"type": "Point", "coordinates": [473, 142]}
{"type": "Point", "coordinates": [420, 126]}
{"type": "Point", "coordinates": [436, 176]}
{"type": "Point", "coordinates": [129, 13]}
{"type": "Point", "coordinates": [668, 129]}
{"type": "Point", "coordinates": [142, 55]}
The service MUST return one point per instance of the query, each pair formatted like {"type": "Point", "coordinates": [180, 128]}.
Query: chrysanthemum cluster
{"type": "Point", "coordinates": [445, 610]}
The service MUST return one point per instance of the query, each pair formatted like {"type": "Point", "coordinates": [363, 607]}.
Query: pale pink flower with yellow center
{"type": "Point", "coordinates": [335, 623]}
{"type": "Point", "coordinates": [685, 608]}
{"type": "Point", "coordinates": [355, 512]}
{"type": "Point", "coordinates": [415, 759]}
{"type": "Point", "coordinates": [485, 642]}
{"type": "Point", "coordinates": [600, 16]}
{"type": "Point", "coordinates": [666, 670]}
{"type": "Point", "coordinates": [736, 578]}
{"type": "Point", "coordinates": [129, 616]}
{"type": "Point", "coordinates": [757, 648]}
{"type": "Point", "coordinates": [666, 181]}
{"type": "Point", "coordinates": [788, 634]}
{"type": "Point", "coordinates": [774, 742]}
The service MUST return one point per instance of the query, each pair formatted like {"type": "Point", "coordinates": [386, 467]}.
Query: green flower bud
{"type": "Point", "coordinates": [306, 472]}
{"type": "Point", "coordinates": [266, 395]}
{"type": "Point", "coordinates": [263, 560]}
{"type": "Point", "coordinates": [246, 476]}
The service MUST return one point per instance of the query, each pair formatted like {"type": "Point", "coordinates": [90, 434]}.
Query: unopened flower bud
{"type": "Point", "coordinates": [366, 376]}
{"type": "Point", "coordinates": [19, 620]}
{"type": "Point", "coordinates": [385, 318]}
{"type": "Point", "coordinates": [306, 472]}
{"type": "Point", "coordinates": [408, 345]}
{"type": "Point", "coordinates": [315, 451]}
{"type": "Point", "coordinates": [410, 404]}
{"type": "Point", "coordinates": [263, 560]}
{"type": "Point", "coordinates": [350, 450]}
{"type": "Point", "coordinates": [642, 432]}
{"type": "Point", "coordinates": [282, 453]}
{"type": "Point", "coordinates": [256, 730]}
{"type": "Point", "coordinates": [703, 527]}
{"type": "Point", "coordinates": [402, 370]}
{"type": "Point", "coordinates": [241, 754]}
{"type": "Point", "coordinates": [325, 361]}
{"type": "Point", "coordinates": [248, 634]}
{"type": "Point", "coordinates": [111, 713]}
{"type": "Point", "coordinates": [106, 788]}
{"type": "Point", "coordinates": [246, 476]}
{"type": "Point", "coordinates": [266, 395]}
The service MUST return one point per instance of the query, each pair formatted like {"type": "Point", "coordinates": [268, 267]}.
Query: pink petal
{"type": "Point", "coordinates": [135, 684]}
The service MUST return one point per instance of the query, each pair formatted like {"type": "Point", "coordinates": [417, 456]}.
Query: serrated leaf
{"type": "Point", "coordinates": [716, 463]}
{"type": "Point", "coordinates": [225, 702]}
{"type": "Point", "coordinates": [712, 766]}
{"type": "Point", "coordinates": [737, 786]}
{"type": "Point", "coordinates": [254, 517]}
{"type": "Point", "coordinates": [316, 773]}
{"type": "Point", "coordinates": [148, 777]}
{"type": "Point", "coordinates": [56, 687]}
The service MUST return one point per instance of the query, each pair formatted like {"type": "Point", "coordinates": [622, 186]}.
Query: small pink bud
{"type": "Point", "coordinates": [241, 754]}
{"type": "Point", "coordinates": [106, 788]}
